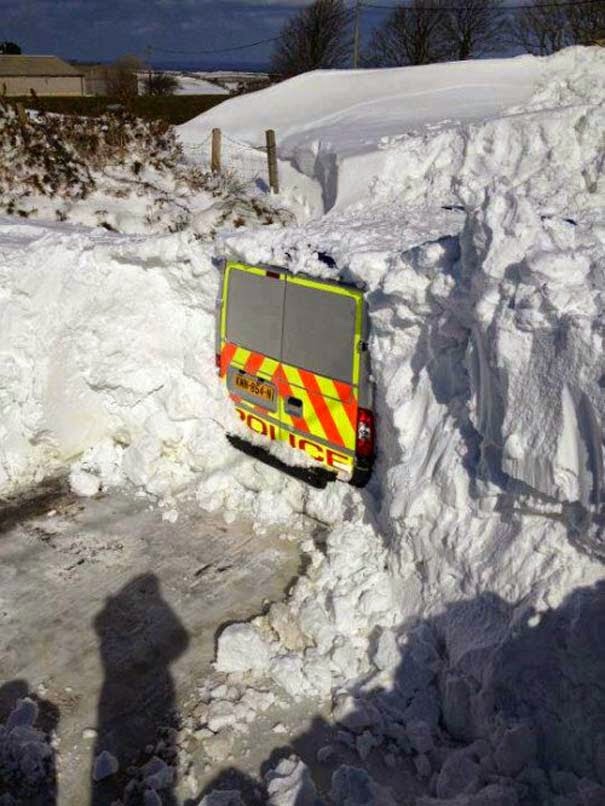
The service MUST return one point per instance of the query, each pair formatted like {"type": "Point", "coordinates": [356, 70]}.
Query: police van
{"type": "Point", "coordinates": [293, 353]}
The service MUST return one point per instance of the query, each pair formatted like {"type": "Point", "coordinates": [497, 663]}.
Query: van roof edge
{"type": "Point", "coordinates": [282, 270]}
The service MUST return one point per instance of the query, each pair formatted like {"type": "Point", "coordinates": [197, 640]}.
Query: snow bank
{"type": "Point", "coordinates": [425, 132]}
{"type": "Point", "coordinates": [134, 177]}
{"type": "Point", "coordinates": [358, 108]}
{"type": "Point", "coordinates": [192, 84]}
{"type": "Point", "coordinates": [477, 549]}
{"type": "Point", "coordinates": [107, 351]}
{"type": "Point", "coordinates": [536, 336]}
{"type": "Point", "coordinates": [107, 369]}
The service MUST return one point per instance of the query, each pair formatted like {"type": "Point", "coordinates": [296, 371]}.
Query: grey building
{"type": "Point", "coordinates": [97, 77]}
{"type": "Point", "coordinates": [46, 75]}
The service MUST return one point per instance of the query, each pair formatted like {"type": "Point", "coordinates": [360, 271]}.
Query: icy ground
{"type": "Point", "coordinates": [451, 620]}
{"type": "Point", "coordinates": [108, 616]}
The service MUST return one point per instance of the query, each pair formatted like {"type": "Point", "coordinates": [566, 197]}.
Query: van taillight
{"type": "Point", "coordinates": [217, 359]}
{"type": "Point", "coordinates": [364, 445]}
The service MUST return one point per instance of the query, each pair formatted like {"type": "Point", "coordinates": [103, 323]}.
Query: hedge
{"type": "Point", "coordinates": [173, 109]}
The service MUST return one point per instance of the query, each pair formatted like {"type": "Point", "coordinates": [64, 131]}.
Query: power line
{"type": "Point", "coordinates": [463, 7]}
{"type": "Point", "coordinates": [218, 50]}
{"type": "Point", "coordinates": [346, 16]}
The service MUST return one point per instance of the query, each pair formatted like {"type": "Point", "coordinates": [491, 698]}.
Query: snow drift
{"type": "Point", "coordinates": [107, 343]}
{"type": "Point", "coordinates": [482, 246]}
{"type": "Point", "coordinates": [453, 591]}
{"type": "Point", "coordinates": [107, 368]}
{"type": "Point", "coordinates": [427, 133]}
{"type": "Point", "coordinates": [361, 107]}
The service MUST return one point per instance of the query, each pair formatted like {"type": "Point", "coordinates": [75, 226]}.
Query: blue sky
{"type": "Point", "coordinates": [105, 29]}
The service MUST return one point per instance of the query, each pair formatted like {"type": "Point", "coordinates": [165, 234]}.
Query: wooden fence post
{"type": "Point", "coordinates": [21, 114]}
{"type": "Point", "coordinates": [272, 160]}
{"type": "Point", "coordinates": [215, 160]}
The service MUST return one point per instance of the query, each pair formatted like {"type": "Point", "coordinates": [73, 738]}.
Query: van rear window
{"type": "Point", "coordinates": [254, 312]}
{"type": "Point", "coordinates": [319, 331]}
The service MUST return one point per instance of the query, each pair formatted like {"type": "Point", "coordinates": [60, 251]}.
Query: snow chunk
{"type": "Point", "coordinates": [84, 483]}
{"type": "Point", "coordinates": [23, 715]}
{"type": "Point", "coordinates": [105, 765]}
{"type": "Point", "coordinates": [27, 763]}
{"type": "Point", "coordinates": [420, 736]}
{"type": "Point", "coordinates": [157, 774]}
{"type": "Point", "coordinates": [460, 775]}
{"type": "Point", "coordinates": [290, 784]}
{"type": "Point", "coordinates": [516, 749]}
{"type": "Point", "coordinates": [242, 648]}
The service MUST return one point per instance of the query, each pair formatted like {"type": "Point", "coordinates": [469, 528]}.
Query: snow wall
{"type": "Point", "coordinates": [463, 589]}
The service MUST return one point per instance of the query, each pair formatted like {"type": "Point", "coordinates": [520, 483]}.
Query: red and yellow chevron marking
{"type": "Point", "coordinates": [284, 389]}
{"type": "Point", "coordinates": [227, 354]}
{"type": "Point", "coordinates": [329, 406]}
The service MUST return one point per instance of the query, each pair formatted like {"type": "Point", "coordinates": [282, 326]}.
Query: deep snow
{"type": "Point", "coordinates": [356, 109]}
{"type": "Point", "coordinates": [467, 579]}
{"type": "Point", "coordinates": [119, 173]}
{"type": "Point", "coordinates": [434, 134]}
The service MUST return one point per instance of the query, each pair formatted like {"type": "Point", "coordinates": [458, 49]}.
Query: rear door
{"type": "Point", "coordinates": [251, 334]}
{"type": "Point", "coordinates": [318, 385]}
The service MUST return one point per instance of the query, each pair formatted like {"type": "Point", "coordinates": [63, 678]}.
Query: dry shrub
{"type": "Point", "coordinates": [65, 159]}
{"type": "Point", "coordinates": [54, 155]}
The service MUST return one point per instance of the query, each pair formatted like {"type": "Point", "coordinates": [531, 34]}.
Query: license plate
{"type": "Point", "coordinates": [265, 392]}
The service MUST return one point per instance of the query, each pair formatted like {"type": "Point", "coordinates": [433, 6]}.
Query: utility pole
{"type": "Point", "coordinates": [357, 36]}
{"type": "Point", "coordinates": [149, 51]}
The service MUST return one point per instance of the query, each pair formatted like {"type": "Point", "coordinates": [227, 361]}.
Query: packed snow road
{"type": "Point", "coordinates": [108, 615]}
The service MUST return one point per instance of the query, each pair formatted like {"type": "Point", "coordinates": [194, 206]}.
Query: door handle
{"type": "Point", "coordinates": [294, 406]}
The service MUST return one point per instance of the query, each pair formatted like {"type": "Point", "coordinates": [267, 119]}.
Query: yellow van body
{"type": "Point", "coordinates": [292, 351]}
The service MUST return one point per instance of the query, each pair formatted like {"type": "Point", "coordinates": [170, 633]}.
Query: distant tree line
{"type": "Point", "coordinates": [416, 32]}
{"type": "Point", "coordinates": [9, 49]}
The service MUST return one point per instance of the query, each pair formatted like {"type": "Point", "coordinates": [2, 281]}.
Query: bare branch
{"type": "Point", "coordinates": [587, 23]}
{"type": "Point", "coordinates": [472, 29]}
{"type": "Point", "coordinates": [410, 35]}
{"type": "Point", "coordinates": [541, 30]}
{"type": "Point", "coordinates": [317, 37]}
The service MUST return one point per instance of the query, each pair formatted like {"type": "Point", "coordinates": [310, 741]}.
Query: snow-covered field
{"type": "Point", "coordinates": [214, 82]}
{"type": "Point", "coordinates": [455, 614]}
{"type": "Point", "coordinates": [194, 84]}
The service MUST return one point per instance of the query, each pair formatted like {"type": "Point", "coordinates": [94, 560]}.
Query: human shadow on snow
{"type": "Point", "coordinates": [140, 636]}
{"type": "Point", "coordinates": [491, 702]}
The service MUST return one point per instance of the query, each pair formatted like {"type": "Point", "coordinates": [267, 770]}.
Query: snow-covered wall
{"type": "Point", "coordinates": [537, 354]}
{"type": "Point", "coordinates": [105, 337]}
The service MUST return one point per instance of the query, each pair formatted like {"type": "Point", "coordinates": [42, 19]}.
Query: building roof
{"type": "Point", "coordinates": [43, 66]}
